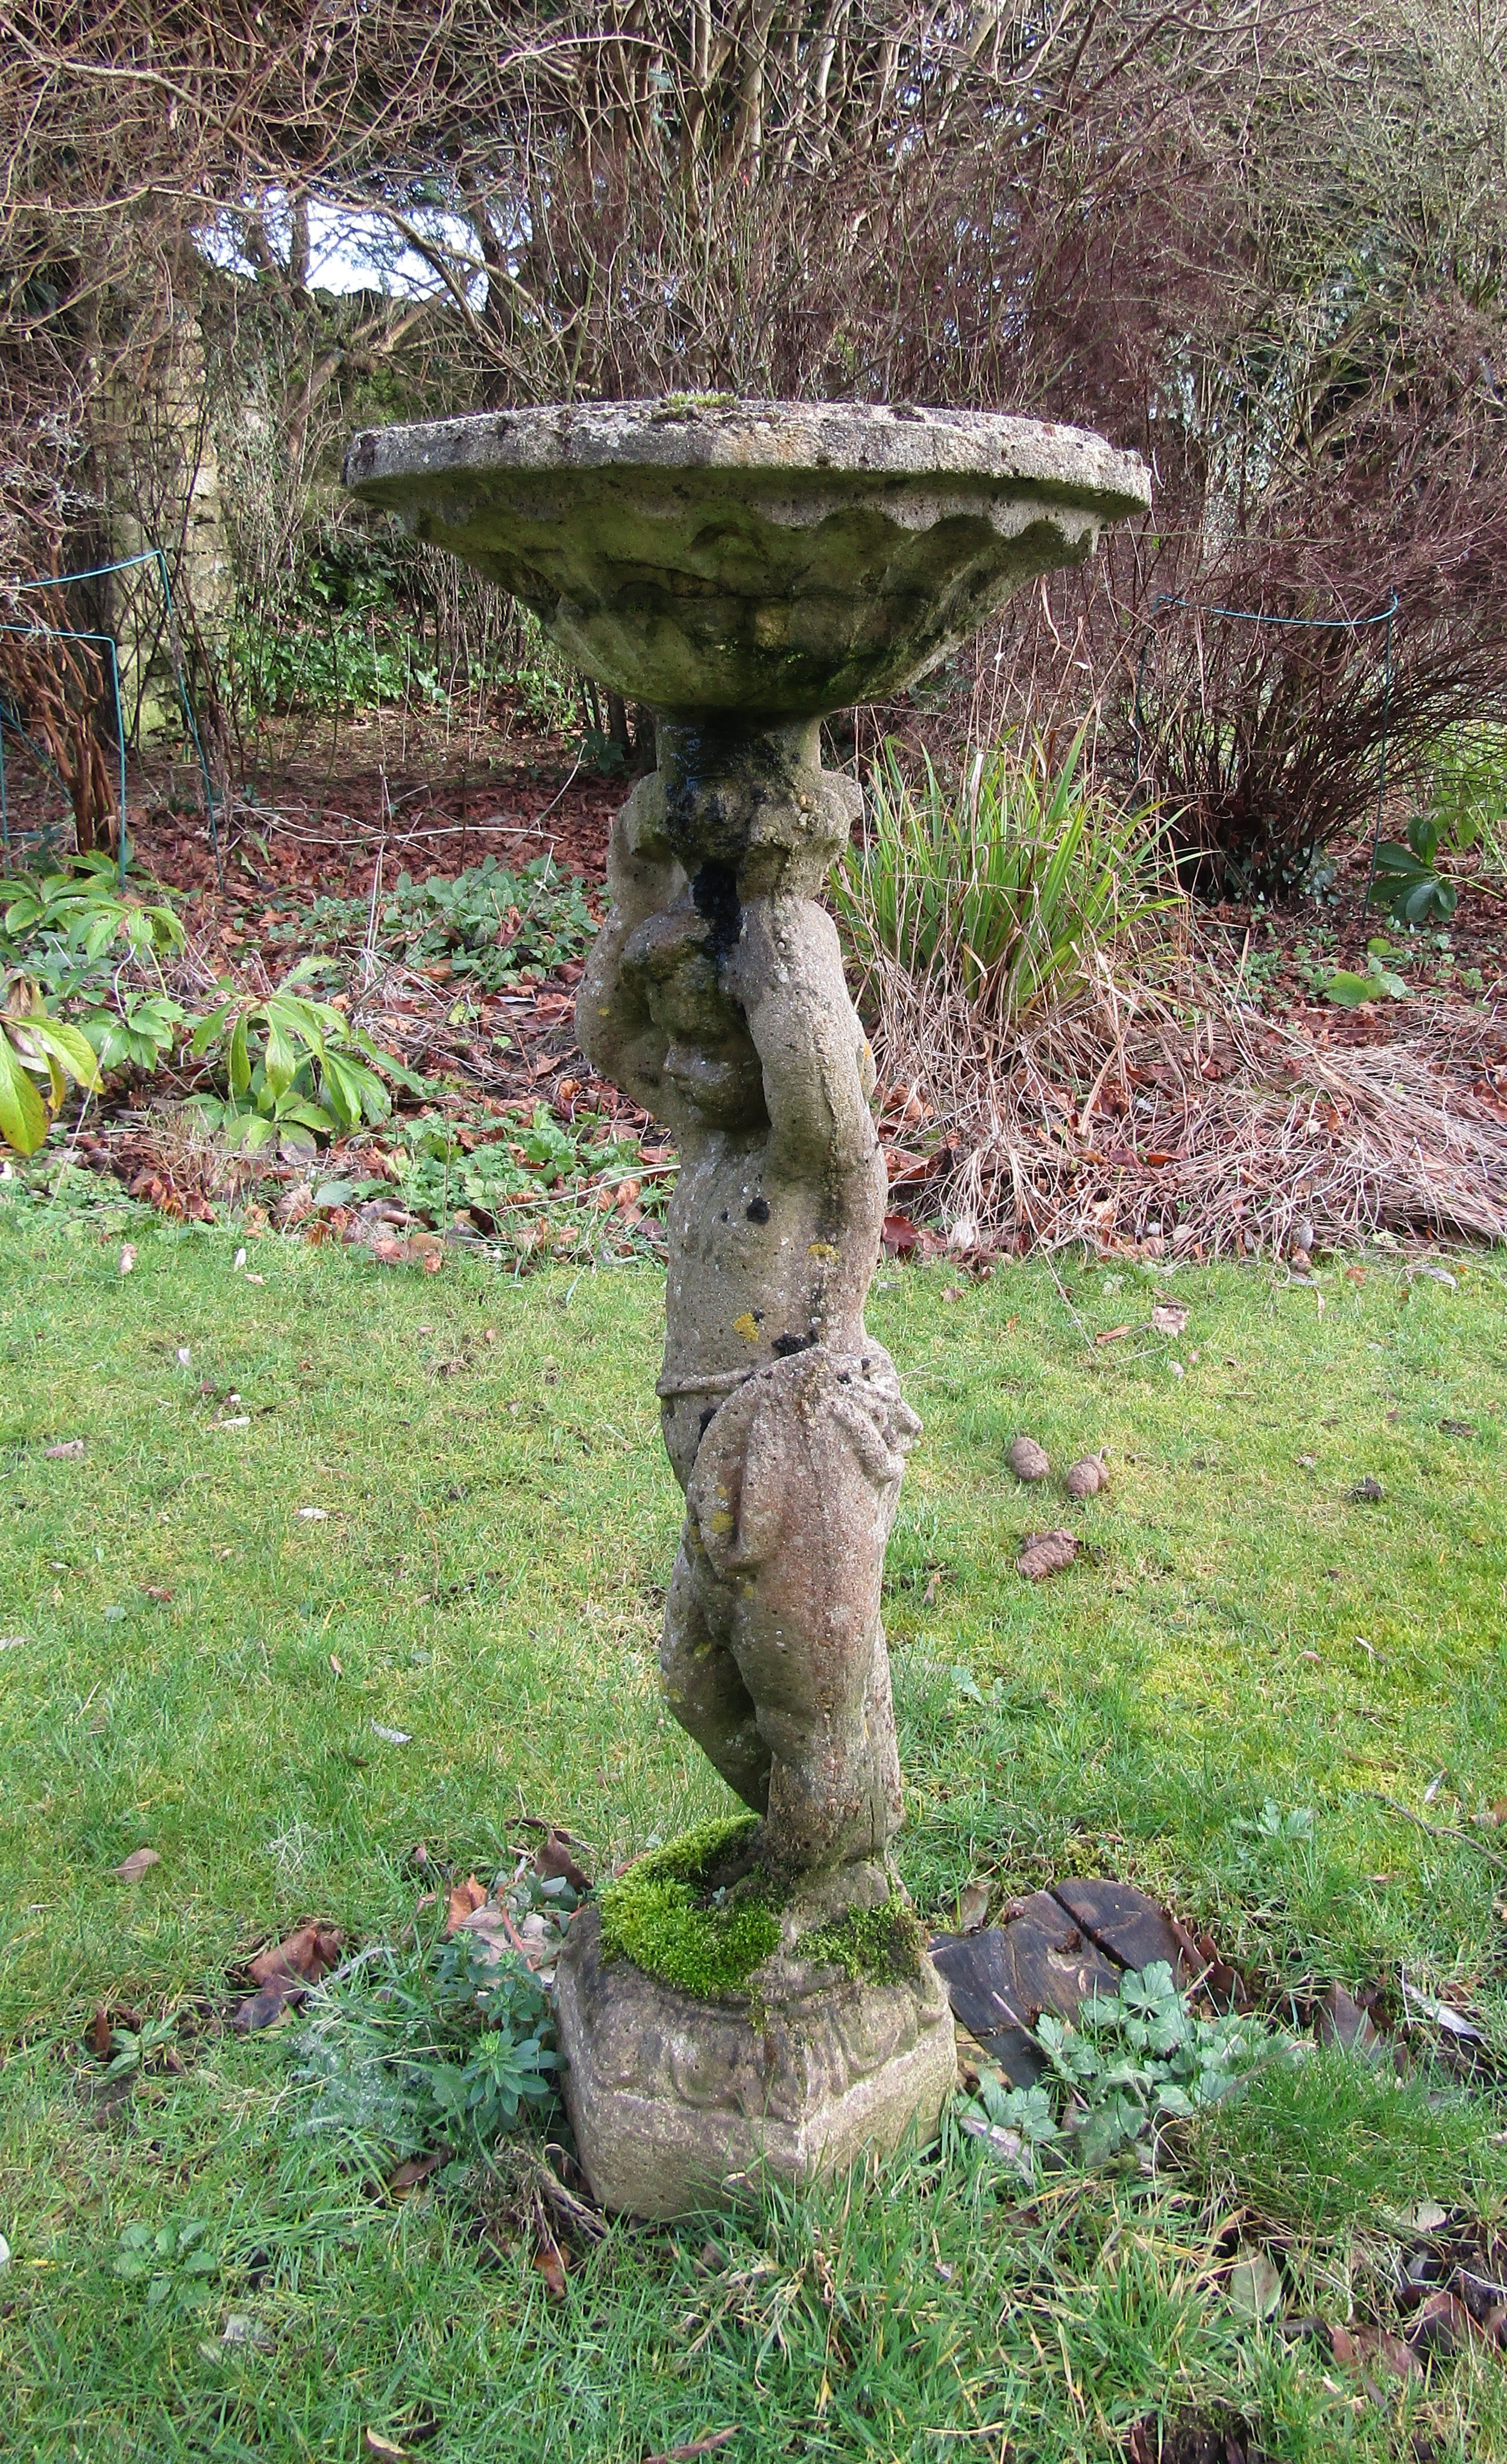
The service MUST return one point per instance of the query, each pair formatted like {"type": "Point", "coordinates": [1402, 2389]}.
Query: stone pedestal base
{"type": "Point", "coordinates": [678, 2104]}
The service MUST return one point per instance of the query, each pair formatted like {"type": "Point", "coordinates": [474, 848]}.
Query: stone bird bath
{"type": "Point", "coordinates": [759, 1994]}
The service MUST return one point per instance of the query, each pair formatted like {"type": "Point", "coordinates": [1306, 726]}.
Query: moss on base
{"type": "Point", "coordinates": [661, 1915]}
{"type": "Point", "coordinates": [667, 1917]}
{"type": "Point", "coordinates": [882, 1945]}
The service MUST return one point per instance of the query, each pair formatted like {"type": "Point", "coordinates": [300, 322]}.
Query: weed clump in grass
{"type": "Point", "coordinates": [668, 1915]}
{"type": "Point", "coordinates": [1331, 2142]}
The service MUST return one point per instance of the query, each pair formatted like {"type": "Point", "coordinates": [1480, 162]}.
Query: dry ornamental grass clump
{"type": "Point", "coordinates": [1080, 1069]}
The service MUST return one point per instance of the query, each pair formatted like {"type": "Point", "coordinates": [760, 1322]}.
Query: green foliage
{"type": "Point", "coordinates": [444, 2045]}
{"type": "Point", "coordinates": [142, 1029]}
{"type": "Point", "coordinates": [661, 1915]}
{"type": "Point", "coordinates": [349, 661]}
{"type": "Point", "coordinates": [543, 1155]}
{"type": "Point", "coordinates": [71, 931]}
{"type": "Point", "coordinates": [135, 2048]}
{"type": "Point", "coordinates": [81, 910]}
{"type": "Point", "coordinates": [544, 686]}
{"type": "Point", "coordinates": [1407, 883]}
{"type": "Point", "coordinates": [1468, 787]}
{"type": "Point", "coordinates": [288, 1060]}
{"type": "Point", "coordinates": [1347, 990]}
{"type": "Point", "coordinates": [1004, 886]}
{"type": "Point", "coordinates": [37, 1047]}
{"type": "Point", "coordinates": [1140, 2055]}
{"type": "Point", "coordinates": [490, 924]}
{"type": "Point", "coordinates": [1130, 2062]}
{"type": "Point", "coordinates": [170, 2260]}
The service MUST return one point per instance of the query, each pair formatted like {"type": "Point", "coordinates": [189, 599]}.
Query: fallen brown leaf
{"type": "Point", "coordinates": [1439, 2326]}
{"type": "Point", "coordinates": [158, 1592]}
{"type": "Point", "coordinates": [412, 2171]}
{"type": "Point", "coordinates": [463, 1900]}
{"type": "Point", "coordinates": [973, 1906]}
{"type": "Point", "coordinates": [98, 2033]}
{"type": "Point", "coordinates": [552, 2268]}
{"type": "Point", "coordinates": [377, 2445]}
{"type": "Point", "coordinates": [1112, 1334]}
{"type": "Point", "coordinates": [64, 1453]}
{"type": "Point", "coordinates": [1046, 1552]}
{"type": "Point", "coordinates": [553, 1862]}
{"type": "Point", "coordinates": [140, 1861]}
{"type": "Point", "coordinates": [1170, 1317]}
{"type": "Point", "coordinates": [283, 1975]}
{"type": "Point", "coordinates": [303, 1959]}
{"type": "Point", "coordinates": [1342, 2021]}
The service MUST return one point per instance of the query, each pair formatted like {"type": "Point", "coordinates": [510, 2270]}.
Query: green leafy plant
{"type": "Point", "coordinates": [1003, 885]}
{"type": "Point", "coordinates": [1467, 787]}
{"type": "Point", "coordinates": [1347, 990]}
{"type": "Point", "coordinates": [439, 1174]}
{"type": "Point", "coordinates": [141, 1029]}
{"type": "Point", "coordinates": [39, 1055]}
{"type": "Point", "coordinates": [489, 924]}
{"type": "Point", "coordinates": [170, 2260]}
{"type": "Point", "coordinates": [82, 910]}
{"type": "Point", "coordinates": [439, 2046]}
{"type": "Point", "coordinates": [136, 2048]}
{"type": "Point", "coordinates": [1408, 885]}
{"type": "Point", "coordinates": [1131, 2061]}
{"type": "Point", "coordinates": [288, 1059]}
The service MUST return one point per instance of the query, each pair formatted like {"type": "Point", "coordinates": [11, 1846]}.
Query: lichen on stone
{"type": "Point", "coordinates": [667, 1917]}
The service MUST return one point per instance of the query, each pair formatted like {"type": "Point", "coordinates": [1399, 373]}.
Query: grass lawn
{"type": "Point", "coordinates": [204, 1670]}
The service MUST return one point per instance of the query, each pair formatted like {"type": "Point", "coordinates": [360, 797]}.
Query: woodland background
{"type": "Point", "coordinates": [1258, 240]}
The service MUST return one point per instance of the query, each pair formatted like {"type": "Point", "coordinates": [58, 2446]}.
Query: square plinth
{"type": "Point", "coordinates": [680, 2105]}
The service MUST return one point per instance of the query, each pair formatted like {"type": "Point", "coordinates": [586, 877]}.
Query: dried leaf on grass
{"type": "Point", "coordinates": [551, 2265]}
{"type": "Point", "coordinates": [66, 1453]}
{"type": "Point", "coordinates": [1046, 1552]}
{"type": "Point", "coordinates": [1254, 2286]}
{"type": "Point", "coordinates": [1440, 2327]}
{"type": "Point", "coordinates": [1367, 2348]}
{"type": "Point", "coordinates": [1342, 2021]}
{"type": "Point", "coordinates": [283, 1975]}
{"type": "Point", "coordinates": [973, 1906]}
{"type": "Point", "coordinates": [98, 2035]}
{"type": "Point", "coordinates": [414, 2170]}
{"type": "Point", "coordinates": [140, 1861]}
{"type": "Point", "coordinates": [554, 1863]}
{"type": "Point", "coordinates": [387, 2448]}
{"type": "Point", "coordinates": [462, 1901]}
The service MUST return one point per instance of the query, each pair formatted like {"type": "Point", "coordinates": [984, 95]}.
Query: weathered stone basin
{"type": "Point", "coordinates": [779, 560]}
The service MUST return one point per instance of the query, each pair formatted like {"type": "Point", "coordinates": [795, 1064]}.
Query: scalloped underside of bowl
{"type": "Point", "coordinates": [775, 559]}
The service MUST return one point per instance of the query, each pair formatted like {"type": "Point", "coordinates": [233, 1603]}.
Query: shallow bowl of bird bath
{"type": "Point", "coordinates": [773, 559]}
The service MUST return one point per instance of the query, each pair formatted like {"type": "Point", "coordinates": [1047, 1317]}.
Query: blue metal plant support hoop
{"type": "Point", "coordinates": [1300, 624]}
{"type": "Point", "coordinates": [107, 644]}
